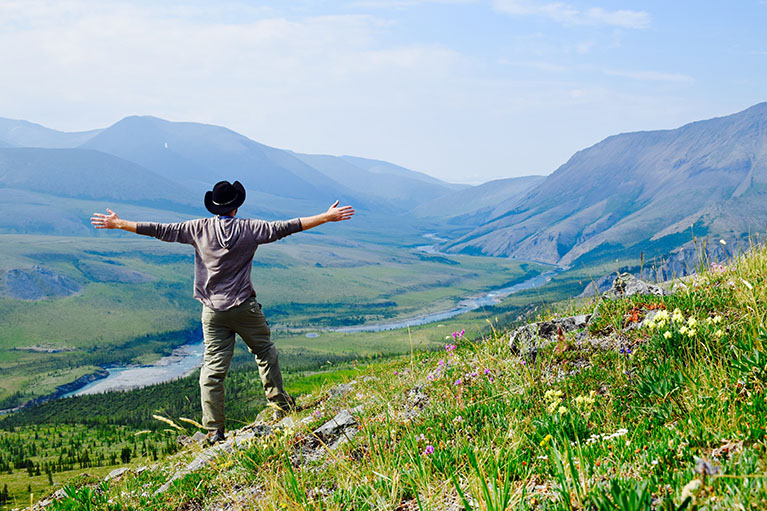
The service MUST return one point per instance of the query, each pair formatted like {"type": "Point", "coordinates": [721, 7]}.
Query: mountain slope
{"type": "Point", "coordinates": [85, 174]}
{"type": "Point", "coordinates": [197, 155]}
{"type": "Point", "coordinates": [478, 203]}
{"type": "Point", "coordinates": [384, 167]}
{"type": "Point", "coordinates": [644, 402]}
{"type": "Point", "coordinates": [404, 189]}
{"type": "Point", "coordinates": [27, 134]}
{"type": "Point", "coordinates": [639, 188]}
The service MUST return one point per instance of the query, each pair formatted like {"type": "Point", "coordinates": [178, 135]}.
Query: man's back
{"type": "Point", "coordinates": [224, 249]}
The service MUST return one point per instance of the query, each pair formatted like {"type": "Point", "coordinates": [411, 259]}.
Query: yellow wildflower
{"type": "Point", "coordinates": [667, 335]}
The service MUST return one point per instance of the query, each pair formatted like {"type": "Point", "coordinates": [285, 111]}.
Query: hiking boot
{"type": "Point", "coordinates": [281, 409]}
{"type": "Point", "coordinates": [214, 437]}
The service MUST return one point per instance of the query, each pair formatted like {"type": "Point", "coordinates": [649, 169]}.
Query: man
{"type": "Point", "coordinates": [224, 246]}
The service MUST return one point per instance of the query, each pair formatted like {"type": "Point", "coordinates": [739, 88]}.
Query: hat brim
{"type": "Point", "coordinates": [226, 208]}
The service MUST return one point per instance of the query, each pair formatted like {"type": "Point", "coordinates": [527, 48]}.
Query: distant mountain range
{"type": "Point", "coordinates": [146, 161]}
{"type": "Point", "coordinates": [637, 192]}
{"type": "Point", "coordinates": [646, 191]}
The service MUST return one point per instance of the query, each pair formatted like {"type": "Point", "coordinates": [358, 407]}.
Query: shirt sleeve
{"type": "Point", "coordinates": [182, 232]}
{"type": "Point", "coordinates": [266, 232]}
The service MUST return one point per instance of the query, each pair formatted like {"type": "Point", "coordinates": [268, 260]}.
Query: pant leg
{"type": "Point", "coordinates": [252, 326]}
{"type": "Point", "coordinates": [219, 348]}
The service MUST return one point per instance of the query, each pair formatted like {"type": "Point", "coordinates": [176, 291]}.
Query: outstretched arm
{"type": "Point", "coordinates": [112, 221]}
{"type": "Point", "coordinates": [333, 214]}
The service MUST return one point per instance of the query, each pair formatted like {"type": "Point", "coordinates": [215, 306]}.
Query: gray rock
{"type": "Point", "coordinates": [532, 337]}
{"type": "Point", "coordinates": [416, 401]}
{"type": "Point", "coordinates": [336, 426]}
{"type": "Point", "coordinates": [342, 388]}
{"type": "Point", "coordinates": [626, 285]}
{"type": "Point", "coordinates": [117, 473]}
{"type": "Point", "coordinates": [234, 441]}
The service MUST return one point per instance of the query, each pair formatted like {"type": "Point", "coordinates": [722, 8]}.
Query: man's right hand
{"type": "Point", "coordinates": [111, 221]}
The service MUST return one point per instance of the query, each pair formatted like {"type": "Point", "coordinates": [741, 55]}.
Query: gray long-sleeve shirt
{"type": "Point", "coordinates": [223, 253]}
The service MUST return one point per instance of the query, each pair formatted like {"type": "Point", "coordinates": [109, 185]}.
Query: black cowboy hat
{"type": "Point", "coordinates": [225, 197]}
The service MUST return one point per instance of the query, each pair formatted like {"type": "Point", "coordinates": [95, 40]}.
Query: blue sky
{"type": "Point", "coordinates": [466, 91]}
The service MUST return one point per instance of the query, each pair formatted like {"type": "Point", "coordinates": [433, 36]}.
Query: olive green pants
{"type": "Point", "coordinates": [218, 330]}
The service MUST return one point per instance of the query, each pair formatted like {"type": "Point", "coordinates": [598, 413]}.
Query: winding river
{"type": "Point", "coordinates": [185, 359]}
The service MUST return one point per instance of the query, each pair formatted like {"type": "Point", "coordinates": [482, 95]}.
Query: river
{"type": "Point", "coordinates": [185, 359]}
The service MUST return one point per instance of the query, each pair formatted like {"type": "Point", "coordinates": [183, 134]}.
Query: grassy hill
{"type": "Point", "coordinates": [656, 403]}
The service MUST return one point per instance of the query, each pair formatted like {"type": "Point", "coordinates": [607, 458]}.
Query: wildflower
{"type": "Point", "coordinates": [662, 315]}
{"type": "Point", "coordinates": [552, 394]}
{"type": "Point", "coordinates": [667, 335]}
{"type": "Point", "coordinates": [458, 382]}
{"type": "Point", "coordinates": [683, 330]}
{"type": "Point", "coordinates": [690, 489]}
{"type": "Point", "coordinates": [457, 336]}
{"type": "Point", "coordinates": [546, 440]}
{"type": "Point", "coordinates": [717, 319]}
{"type": "Point", "coordinates": [429, 450]}
{"type": "Point", "coordinates": [450, 348]}
{"type": "Point", "coordinates": [458, 419]}
{"type": "Point", "coordinates": [691, 332]}
{"type": "Point", "coordinates": [421, 437]}
{"type": "Point", "coordinates": [692, 322]}
{"type": "Point", "coordinates": [718, 333]}
{"type": "Point", "coordinates": [562, 410]}
{"type": "Point", "coordinates": [487, 371]}
{"type": "Point", "coordinates": [677, 317]}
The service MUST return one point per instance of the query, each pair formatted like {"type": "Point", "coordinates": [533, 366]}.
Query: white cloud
{"type": "Point", "coordinates": [652, 76]}
{"type": "Point", "coordinates": [566, 14]}
{"type": "Point", "coordinates": [400, 4]}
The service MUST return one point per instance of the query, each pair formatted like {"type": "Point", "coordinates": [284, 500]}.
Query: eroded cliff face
{"type": "Point", "coordinates": [638, 189]}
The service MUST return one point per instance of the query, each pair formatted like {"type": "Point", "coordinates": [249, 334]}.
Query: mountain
{"type": "Point", "coordinates": [384, 167]}
{"type": "Point", "coordinates": [639, 191]}
{"type": "Point", "coordinates": [86, 175]}
{"type": "Point", "coordinates": [197, 155]}
{"type": "Point", "coordinates": [405, 188]}
{"type": "Point", "coordinates": [480, 203]}
{"type": "Point", "coordinates": [147, 161]}
{"type": "Point", "coordinates": [17, 133]}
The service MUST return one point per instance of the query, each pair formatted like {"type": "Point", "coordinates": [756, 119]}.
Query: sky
{"type": "Point", "coordinates": [463, 90]}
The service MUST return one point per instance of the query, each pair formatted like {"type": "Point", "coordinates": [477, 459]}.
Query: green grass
{"type": "Point", "coordinates": [575, 427]}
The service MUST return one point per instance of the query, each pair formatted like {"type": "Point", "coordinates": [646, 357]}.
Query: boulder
{"type": "Point", "coordinates": [531, 337]}
{"type": "Point", "coordinates": [626, 285]}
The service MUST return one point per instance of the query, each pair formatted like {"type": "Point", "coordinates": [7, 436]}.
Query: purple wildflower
{"type": "Point", "coordinates": [458, 381]}
{"type": "Point", "coordinates": [429, 450]}
{"type": "Point", "coordinates": [487, 371]}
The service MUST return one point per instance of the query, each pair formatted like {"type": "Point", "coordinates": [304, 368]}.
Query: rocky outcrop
{"type": "Point", "coordinates": [626, 285]}
{"type": "Point", "coordinates": [529, 339]}
{"type": "Point", "coordinates": [37, 284]}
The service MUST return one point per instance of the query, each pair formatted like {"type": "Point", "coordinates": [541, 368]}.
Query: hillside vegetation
{"type": "Point", "coordinates": [658, 402]}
